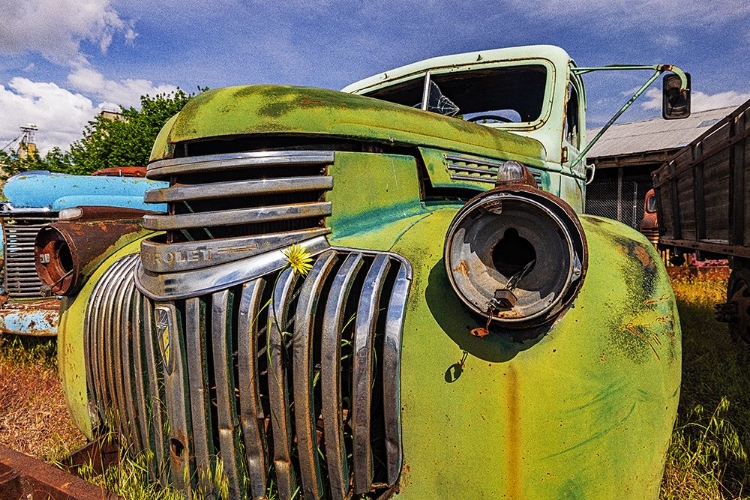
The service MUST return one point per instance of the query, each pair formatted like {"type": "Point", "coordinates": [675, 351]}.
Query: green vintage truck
{"type": "Point", "coordinates": [390, 291]}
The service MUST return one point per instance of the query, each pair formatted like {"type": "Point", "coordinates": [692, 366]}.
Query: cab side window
{"type": "Point", "coordinates": [571, 130]}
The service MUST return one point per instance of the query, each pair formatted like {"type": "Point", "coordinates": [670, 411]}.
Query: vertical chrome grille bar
{"type": "Point", "coordinates": [392, 372]}
{"type": "Point", "coordinates": [117, 296]}
{"type": "Point", "coordinates": [139, 365]}
{"type": "Point", "coordinates": [155, 397]}
{"type": "Point", "coordinates": [302, 361]}
{"type": "Point", "coordinates": [171, 340]}
{"type": "Point", "coordinates": [251, 411]}
{"type": "Point", "coordinates": [330, 375]}
{"type": "Point", "coordinates": [126, 355]}
{"type": "Point", "coordinates": [221, 336]}
{"type": "Point", "coordinates": [98, 340]}
{"type": "Point", "coordinates": [200, 403]}
{"type": "Point", "coordinates": [94, 376]}
{"type": "Point", "coordinates": [278, 392]}
{"type": "Point", "coordinates": [108, 344]}
{"type": "Point", "coordinates": [364, 333]}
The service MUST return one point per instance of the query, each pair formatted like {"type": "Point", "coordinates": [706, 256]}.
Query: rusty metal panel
{"type": "Point", "coordinates": [23, 477]}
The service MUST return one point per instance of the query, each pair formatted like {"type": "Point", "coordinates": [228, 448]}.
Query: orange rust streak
{"type": "Point", "coordinates": [513, 437]}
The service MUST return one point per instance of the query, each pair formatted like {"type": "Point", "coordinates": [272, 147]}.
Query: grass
{"type": "Point", "coordinates": [34, 418]}
{"type": "Point", "coordinates": [707, 458]}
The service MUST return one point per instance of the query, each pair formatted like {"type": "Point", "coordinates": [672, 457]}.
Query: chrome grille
{"type": "Point", "coordinates": [291, 382]}
{"type": "Point", "coordinates": [21, 278]}
{"type": "Point", "coordinates": [240, 194]}
{"type": "Point", "coordinates": [463, 168]}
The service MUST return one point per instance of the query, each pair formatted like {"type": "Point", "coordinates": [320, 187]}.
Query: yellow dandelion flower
{"type": "Point", "coordinates": [299, 259]}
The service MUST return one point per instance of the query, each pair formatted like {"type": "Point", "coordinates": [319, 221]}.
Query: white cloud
{"type": "Point", "coordinates": [124, 92]}
{"type": "Point", "coordinates": [59, 114]}
{"type": "Point", "coordinates": [56, 28]}
{"type": "Point", "coordinates": [699, 101]}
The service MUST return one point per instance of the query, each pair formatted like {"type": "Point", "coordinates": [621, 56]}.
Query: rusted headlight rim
{"type": "Point", "coordinates": [555, 209]}
{"type": "Point", "coordinates": [54, 260]}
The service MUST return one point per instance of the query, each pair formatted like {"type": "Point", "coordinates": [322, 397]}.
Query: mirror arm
{"type": "Point", "coordinates": [658, 70]}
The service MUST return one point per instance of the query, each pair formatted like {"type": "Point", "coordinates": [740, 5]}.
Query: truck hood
{"type": "Point", "coordinates": [281, 110]}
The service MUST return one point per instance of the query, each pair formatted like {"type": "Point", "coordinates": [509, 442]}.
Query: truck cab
{"type": "Point", "coordinates": [530, 91]}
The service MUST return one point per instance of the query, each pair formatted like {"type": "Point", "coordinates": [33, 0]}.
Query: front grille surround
{"type": "Point", "coordinates": [271, 376]}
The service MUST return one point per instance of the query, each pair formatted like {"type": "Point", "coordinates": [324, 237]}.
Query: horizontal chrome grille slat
{"type": "Point", "coordinates": [236, 217]}
{"type": "Point", "coordinates": [239, 188]}
{"type": "Point", "coordinates": [213, 163]}
{"type": "Point", "coordinates": [268, 375]}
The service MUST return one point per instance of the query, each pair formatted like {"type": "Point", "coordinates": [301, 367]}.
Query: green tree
{"type": "Point", "coordinates": [126, 140]}
{"type": "Point", "coordinates": [123, 141]}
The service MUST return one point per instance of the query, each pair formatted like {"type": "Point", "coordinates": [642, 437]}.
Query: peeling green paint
{"type": "Point", "coordinates": [264, 109]}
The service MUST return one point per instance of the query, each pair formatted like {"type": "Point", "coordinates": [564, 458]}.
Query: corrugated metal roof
{"type": "Point", "coordinates": [656, 134]}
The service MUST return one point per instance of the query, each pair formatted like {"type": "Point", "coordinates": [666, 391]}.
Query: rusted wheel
{"type": "Point", "coordinates": [738, 292]}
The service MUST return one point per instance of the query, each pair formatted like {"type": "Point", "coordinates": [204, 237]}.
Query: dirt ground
{"type": "Point", "coordinates": [33, 416]}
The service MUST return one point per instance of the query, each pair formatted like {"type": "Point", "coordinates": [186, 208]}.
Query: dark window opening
{"type": "Point", "coordinates": [511, 94]}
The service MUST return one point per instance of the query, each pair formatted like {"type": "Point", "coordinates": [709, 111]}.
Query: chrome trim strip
{"type": "Point", "coordinates": [174, 286]}
{"type": "Point", "coordinates": [155, 396]}
{"type": "Point", "coordinates": [112, 404]}
{"type": "Point", "coordinates": [302, 361]}
{"type": "Point", "coordinates": [278, 390]}
{"type": "Point", "coordinates": [139, 363]}
{"type": "Point", "coordinates": [177, 397]}
{"type": "Point", "coordinates": [364, 332]}
{"type": "Point", "coordinates": [173, 257]}
{"type": "Point", "coordinates": [487, 180]}
{"type": "Point", "coordinates": [475, 161]}
{"type": "Point", "coordinates": [115, 325]}
{"type": "Point", "coordinates": [221, 340]}
{"type": "Point", "coordinates": [462, 168]}
{"type": "Point", "coordinates": [200, 399]}
{"type": "Point", "coordinates": [235, 189]}
{"type": "Point", "coordinates": [126, 338]}
{"type": "Point", "coordinates": [394, 326]}
{"type": "Point", "coordinates": [212, 163]}
{"type": "Point", "coordinates": [251, 411]}
{"type": "Point", "coordinates": [237, 216]}
{"type": "Point", "coordinates": [330, 375]}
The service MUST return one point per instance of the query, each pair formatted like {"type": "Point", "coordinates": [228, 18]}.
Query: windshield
{"type": "Point", "coordinates": [496, 95]}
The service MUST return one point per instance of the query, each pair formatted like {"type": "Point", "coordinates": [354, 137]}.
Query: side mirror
{"type": "Point", "coordinates": [675, 103]}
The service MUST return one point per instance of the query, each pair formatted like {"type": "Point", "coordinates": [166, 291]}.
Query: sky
{"type": "Point", "coordinates": [63, 61]}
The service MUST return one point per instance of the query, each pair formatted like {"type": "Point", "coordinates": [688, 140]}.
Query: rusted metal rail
{"type": "Point", "coordinates": [23, 477]}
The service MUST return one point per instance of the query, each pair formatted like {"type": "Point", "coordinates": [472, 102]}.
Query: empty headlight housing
{"type": "Point", "coordinates": [516, 255]}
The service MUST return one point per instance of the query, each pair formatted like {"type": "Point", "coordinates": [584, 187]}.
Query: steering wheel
{"type": "Point", "coordinates": [490, 116]}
